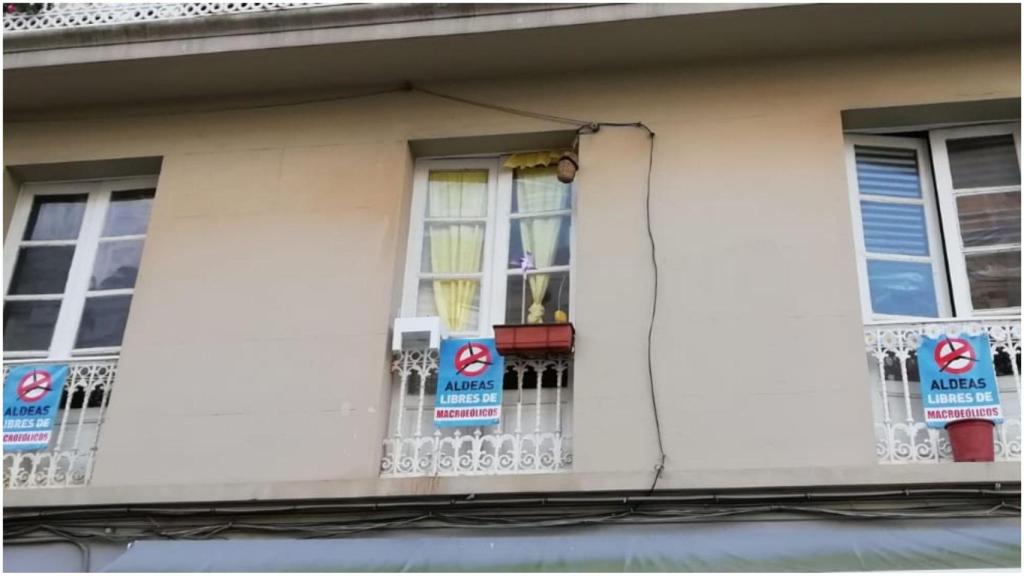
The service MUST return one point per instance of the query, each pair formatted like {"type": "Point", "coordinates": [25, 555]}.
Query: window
{"type": "Point", "coordinates": [473, 220]}
{"type": "Point", "coordinates": [71, 258]}
{"type": "Point", "coordinates": [937, 249]}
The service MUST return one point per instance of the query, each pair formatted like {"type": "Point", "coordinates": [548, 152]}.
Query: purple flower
{"type": "Point", "coordinates": [526, 262]}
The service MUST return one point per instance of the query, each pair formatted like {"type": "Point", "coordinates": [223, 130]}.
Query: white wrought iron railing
{"type": "Point", "coordinates": [901, 434]}
{"type": "Point", "coordinates": [68, 15]}
{"type": "Point", "coordinates": [69, 458]}
{"type": "Point", "coordinates": [534, 435]}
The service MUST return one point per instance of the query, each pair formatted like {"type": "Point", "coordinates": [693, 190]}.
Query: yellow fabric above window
{"type": "Point", "coordinates": [532, 159]}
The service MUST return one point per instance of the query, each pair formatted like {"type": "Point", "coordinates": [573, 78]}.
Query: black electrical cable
{"type": "Point", "coordinates": [516, 111]}
{"type": "Point", "coordinates": [659, 468]}
{"type": "Point", "coordinates": [202, 529]}
{"type": "Point", "coordinates": [654, 313]}
{"type": "Point", "coordinates": [148, 113]}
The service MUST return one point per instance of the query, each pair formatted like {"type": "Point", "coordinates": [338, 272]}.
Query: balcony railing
{"type": "Point", "coordinates": [67, 15]}
{"type": "Point", "coordinates": [69, 459]}
{"type": "Point", "coordinates": [533, 436]}
{"type": "Point", "coordinates": [901, 435]}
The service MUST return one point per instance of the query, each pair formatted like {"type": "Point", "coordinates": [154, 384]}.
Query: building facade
{"type": "Point", "coordinates": [220, 216]}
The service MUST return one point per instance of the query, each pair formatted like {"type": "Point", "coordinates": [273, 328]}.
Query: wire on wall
{"type": "Point", "coordinates": [329, 523]}
{"type": "Point", "coordinates": [591, 127]}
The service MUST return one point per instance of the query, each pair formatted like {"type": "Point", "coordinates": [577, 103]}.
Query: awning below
{"type": "Point", "coordinates": [781, 546]}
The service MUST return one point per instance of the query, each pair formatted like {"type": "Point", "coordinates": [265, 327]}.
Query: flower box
{"type": "Point", "coordinates": [534, 339]}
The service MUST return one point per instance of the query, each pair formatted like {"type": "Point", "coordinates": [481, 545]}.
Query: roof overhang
{"type": "Point", "coordinates": [337, 48]}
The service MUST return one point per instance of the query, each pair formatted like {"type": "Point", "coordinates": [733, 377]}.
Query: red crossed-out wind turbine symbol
{"type": "Point", "coordinates": [34, 386]}
{"type": "Point", "coordinates": [955, 356]}
{"type": "Point", "coordinates": [472, 361]}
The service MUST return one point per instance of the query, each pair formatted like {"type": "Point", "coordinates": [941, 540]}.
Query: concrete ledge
{"type": "Point", "coordinates": [768, 478]}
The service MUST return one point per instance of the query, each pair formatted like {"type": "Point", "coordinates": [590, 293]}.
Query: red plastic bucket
{"type": "Point", "coordinates": [971, 440]}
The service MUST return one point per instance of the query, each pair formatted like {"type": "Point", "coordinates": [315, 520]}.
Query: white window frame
{"type": "Point", "coordinates": [935, 253]}
{"type": "Point", "coordinates": [495, 270]}
{"type": "Point", "coordinates": [956, 253]}
{"type": "Point", "coordinates": [76, 290]}
{"type": "Point", "coordinates": [417, 225]}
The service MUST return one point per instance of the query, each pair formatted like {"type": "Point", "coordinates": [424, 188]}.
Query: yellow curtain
{"type": "Point", "coordinates": [538, 190]}
{"type": "Point", "coordinates": [456, 248]}
{"type": "Point", "coordinates": [532, 159]}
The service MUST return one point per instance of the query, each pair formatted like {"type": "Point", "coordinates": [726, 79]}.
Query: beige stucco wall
{"type": "Point", "coordinates": [255, 358]}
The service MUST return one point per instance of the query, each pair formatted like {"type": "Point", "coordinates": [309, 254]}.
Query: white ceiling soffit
{"type": "Point", "coordinates": [528, 44]}
{"type": "Point", "coordinates": [317, 26]}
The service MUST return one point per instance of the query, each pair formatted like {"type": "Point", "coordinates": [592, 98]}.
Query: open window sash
{"type": "Point", "coordinates": [977, 175]}
{"type": "Point", "coordinates": [901, 268]}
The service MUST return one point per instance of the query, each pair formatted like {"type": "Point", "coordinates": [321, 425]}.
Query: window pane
{"type": "Point", "coordinates": [457, 194]}
{"type": "Point", "coordinates": [984, 161]}
{"type": "Point", "coordinates": [42, 270]}
{"type": "Point", "coordinates": [902, 288]}
{"type": "Point", "coordinates": [887, 171]}
{"type": "Point", "coordinates": [103, 321]}
{"type": "Point", "coordinates": [29, 325]}
{"type": "Point", "coordinates": [457, 302]}
{"type": "Point", "coordinates": [547, 240]}
{"type": "Point", "coordinates": [538, 190]}
{"type": "Point", "coordinates": [987, 219]}
{"type": "Point", "coordinates": [547, 298]}
{"type": "Point", "coordinates": [894, 228]}
{"type": "Point", "coordinates": [117, 265]}
{"type": "Point", "coordinates": [57, 217]}
{"type": "Point", "coordinates": [994, 279]}
{"type": "Point", "coordinates": [128, 213]}
{"type": "Point", "coordinates": [453, 248]}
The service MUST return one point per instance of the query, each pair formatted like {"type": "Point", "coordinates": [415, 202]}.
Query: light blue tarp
{"type": "Point", "coordinates": [780, 546]}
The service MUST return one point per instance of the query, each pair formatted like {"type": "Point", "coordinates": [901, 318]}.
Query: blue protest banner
{"type": "Point", "coordinates": [469, 381]}
{"type": "Point", "coordinates": [31, 402]}
{"type": "Point", "coordinates": [958, 380]}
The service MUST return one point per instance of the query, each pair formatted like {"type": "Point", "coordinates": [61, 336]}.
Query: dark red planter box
{"type": "Point", "coordinates": [531, 339]}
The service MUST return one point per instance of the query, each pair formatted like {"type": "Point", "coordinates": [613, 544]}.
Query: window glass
{"type": "Point", "coordinates": [554, 300]}
{"type": "Point", "coordinates": [539, 190]}
{"type": "Point", "coordinates": [902, 288]}
{"type": "Point", "coordinates": [117, 265]}
{"type": "Point", "coordinates": [41, 270]}
{"type": "Point", "coordinates": [894, 228]}
{"type": "Point", "coordinates": [888, 171]}
{"type": "Point", "coordinates": [47, 283]}
{"type": "Point", "coordinates": [29, 325]}
{"type": "Point", "coordinates": [454, 241]}
{"type": "Point", "coordinates": [56, 217]}
{"type": "Point", "coordinates": [453, 248]}
{"type": "Point", "coordinates": [540, 232]}
{"type": "Point", "coordinates": [994, 279]}
{"type": "Point", "coordinates": [983, 161]}
{"type": "Point", "coordinates": [128, 213]}
{"type": "Point", "coordinates": [539, 229]}
{"type": "Point", "coordinates": [457, 302]}
{"type": "Point", "coordinates": [457, 194]}
{"type": "Point", "coordinates": [459, 256]}
{"type": "Point", "coordinates": [103, 321]}
{"type": "Point", "coordinates": [989, 219]}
